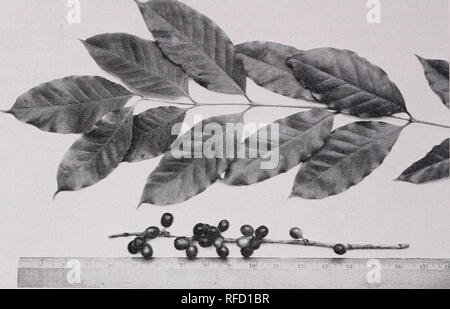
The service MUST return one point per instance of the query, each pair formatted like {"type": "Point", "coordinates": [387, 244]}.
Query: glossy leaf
{"type": "Point", "coordinates": [437, 74]}
{"type": "Point", "coordinates": [70, 105]}
{"type": "Point", "coordinates": [139, 63]}
{"type": "Point", "coordinates": [350, 154]}
{"type": "Point", "coordinates": [434, 166]}
{"type": "Point", "coordinates": [265, 63]}
{"type": "Point", "coordinates": [347, 82]}
{"type": "Point", "coordinates": [299, 136]}
{"type": "Point", "coordinates": [184, 173]}
{"type": "Point", "coordinates": [196, 43]}
{"type": "Point", "coordinates": [152, 132]}
{"type": "Point", "coordinates": [97, 153]}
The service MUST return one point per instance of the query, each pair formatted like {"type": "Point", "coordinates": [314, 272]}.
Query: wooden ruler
{"type": "Point", "coordinates": [257, 273]}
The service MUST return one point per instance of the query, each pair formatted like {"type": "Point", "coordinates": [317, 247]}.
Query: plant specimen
{"type": "Point", "coordinates": [205, 236]}
{"type": "Point", "coordinates": [188, 45]}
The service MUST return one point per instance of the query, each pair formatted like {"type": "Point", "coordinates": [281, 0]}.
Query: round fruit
{"type": "Point", "coordinates": [247, 252]}
{"type": "Point", "coordinates": [132, 248]}
{"type": "Point", "coordinates": [261, 232]}
{"type": "Point", "coordinates": [139, 242]}
{"type": "Point", "coordinates": [243, 242]}
{"type": "Point", "coordinates": [213, 232]}
{"type": "Point", "coordinates": [223, 252]}
{"type": "Point", "coordinates": [151, 233]}
{"type": "Point", "coordinates": [147, 252]}
{"type": "Point", "coordinates": [199, 229]}
{"type": "Point", "coordinates": [181, 243]}
{"type": "Point", "coordinates": [191, 252]}
{"type": "Point", "coordinates": [340, 249]}
{"type": "Point", "coordinates": [223, 226]}
{"type": "Point", "coordinates": [255, 243]}
{"type": "Point", "coordinates": [247, 230]}
{"type": "Point", "coordinates": [218, 242]}
{"type": "Point", "coordinates": [296, 233]}
{"type": "Point", "coordinates": [167, 219]}
{"type": "Point", "coordinates": [205, 242]}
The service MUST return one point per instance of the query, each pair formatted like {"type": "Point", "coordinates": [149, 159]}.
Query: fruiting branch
{"type": "Point", "coordinates": [208, 236]}
{"type": "Point", "coordinates": [298, 242]}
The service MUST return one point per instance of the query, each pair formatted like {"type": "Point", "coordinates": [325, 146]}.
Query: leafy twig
{"type": "Point", "coordinates": [258, 105]}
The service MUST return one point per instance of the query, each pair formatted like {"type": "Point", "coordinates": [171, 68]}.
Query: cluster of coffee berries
{"type": "Point", "coordinates": [206, 236]}
{"type": "Point", "coordinates": [251, 239]}
{"type": "Point", "coordinates": [141, 244]}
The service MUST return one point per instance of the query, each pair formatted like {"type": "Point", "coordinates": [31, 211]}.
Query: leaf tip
{"type": "Point", "coordinates": [6, 111]}
{"type": "Point", "coordinates": [55, 195]}
{"type": "Point", "coordinates": [292, 195]}
{"type": "Point", "coordinates": [141, 202]}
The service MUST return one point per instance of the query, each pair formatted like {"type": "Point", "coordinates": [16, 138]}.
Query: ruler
{"type": "Point", "coordinates": [235, 273]}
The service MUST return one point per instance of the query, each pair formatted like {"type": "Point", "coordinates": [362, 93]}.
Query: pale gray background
{"type": "Point", "coordinates": [38, 45]}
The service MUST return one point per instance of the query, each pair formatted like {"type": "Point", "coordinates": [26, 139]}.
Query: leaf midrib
{"type": "Point", "coordinates": [351, 155]}
{"type": "Point", "coordinates": [119, 127]}
{"type": "Point", "coordinates": [77, 103]}
{"type": "Point", "coordinates": [291, 141]}
{"type": "Point", "coordinates": [352, 84]}
{"type": "Point", "coordinates": [170, 82]}
{"type": "Point", "coordinates": [214, 62]}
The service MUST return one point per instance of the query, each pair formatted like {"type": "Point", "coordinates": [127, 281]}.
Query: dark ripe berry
{"type": "Point", "coordinates": [218, 242]}
{"type": "Point", "coordinates": [167, 220]}
{"type": "Point", "coordinates": [261, 232]}
{"type": "Point", "coordinates": [181, 243]}
{"type": "Point", "coordinates": [296, 233]}
{"type": "Point", "coordinates": [223, 252]}
{"type": "Point", "coordinates": [205, 242]}
{"type": "Point", "coordinates": [191, 252]}
{"type": "Point", "coordinates": [139, 242]}
{"type": "Point", "coordinates": [213, 232]}
{"type": "Point", "coordinates": [147, 252]}
{"type": "Point", "coordinates": [199, 229]}
{"type": "Point", "coordinates": [247, 252]}
{"type": "Point", "coordinates": [247, 230]}
{"type": "Point", "coordinates": [255, 243]}
{"type": "Point", "coordinates": [223, 226]}
{"type": "Point", "coordinates": [340, 249]}
{"type": "Point", "coordinates": [151, 233]}
{"type": "Point", "coordinates": [132, 248]}
{"type": "Point", "coordinates": [243, 242]}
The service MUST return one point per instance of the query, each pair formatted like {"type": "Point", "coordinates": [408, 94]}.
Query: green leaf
{"type": "Point", "coordinates": [347, 82]}
{"type": "Point", "coordinates": [139, 63]}
{"type": "Point", "coordinates": [265, 63]}
{"type": "Point", "coordinates": [152, 132]}
{"type": "Point", "coordinates": [196, 43]}
{"type": "Point", "coordinates": [350, 154]}
{"type": "Point", "coordinates": [434, 166]}
{"type": "Point", "coordinates": [184, 173]}
{"type": "Point", "coordinates": [300, 135]}
{"type": "Point", "coordinates": [70, 105]}
{"type": "Point", "coordinates": [437, 74]}
{"type": "Point", "coordinates": [97, 153]}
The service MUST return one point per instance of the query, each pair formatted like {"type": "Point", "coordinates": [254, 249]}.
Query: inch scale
{"type": "Point", "coordinates": [234, 273]}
